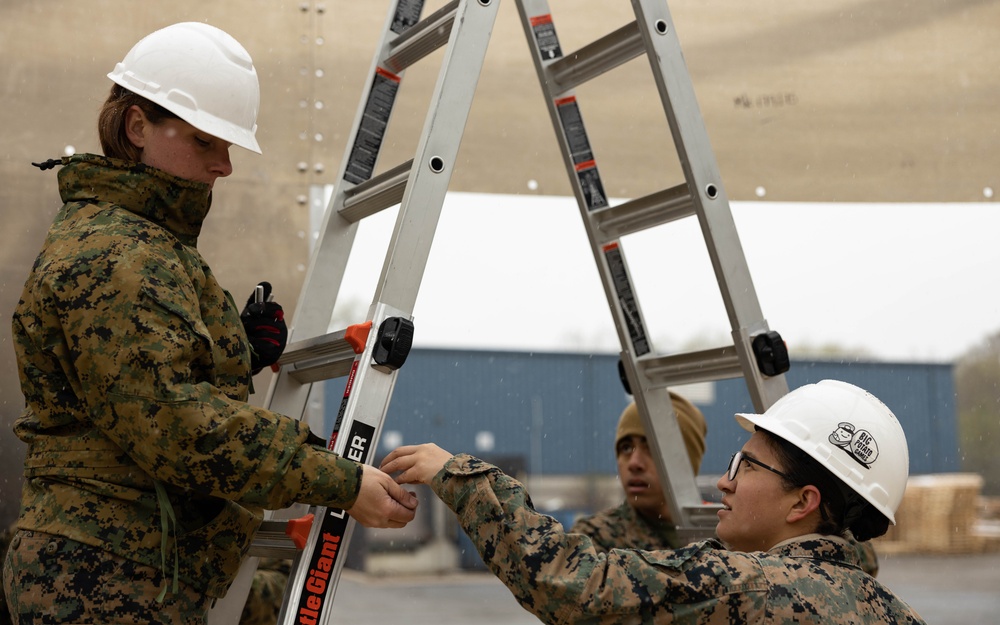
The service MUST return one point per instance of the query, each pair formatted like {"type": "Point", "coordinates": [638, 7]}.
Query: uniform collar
{"type": "Point", "coordinates": [817, 546]}
{"type": "Point", "coordinates": [174, 203]}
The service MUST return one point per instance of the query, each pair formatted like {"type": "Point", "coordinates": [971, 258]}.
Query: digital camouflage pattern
{"type": "Point", "coordinates": [135, 370]}
{"type": "Point", "coordinates": [267, 590]}
{"type": "Point", "coordinates": [561, 578]}
{"type": "Point", "coordinates": [624, 528]}
{"type": "Point", "coordinates": [65, 581]}
{"type": "Point", "coordinates": [5, 538]}
{"type": "Point", "coordinates": [865, 553]}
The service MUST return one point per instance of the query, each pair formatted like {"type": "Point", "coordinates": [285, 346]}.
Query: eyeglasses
{"type": "Point", "coordinates": [738, 457]}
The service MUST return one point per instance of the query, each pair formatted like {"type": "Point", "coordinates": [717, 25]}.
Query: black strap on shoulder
{"type": "Point", "coordinates": [49, 164]}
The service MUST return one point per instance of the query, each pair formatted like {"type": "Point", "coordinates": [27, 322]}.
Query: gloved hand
{"type": "Point", "coordinates": [264, 323]}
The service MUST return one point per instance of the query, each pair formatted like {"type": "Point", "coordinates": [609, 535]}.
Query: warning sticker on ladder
{"type": "Point", "coordinates": [590, 184]}
{"type": "Point", "coordinates": [407, 14]}
{"type": "Point", "coordinates": [374, 120]}
{"type": "Point", "coordinates": [579, 149]}
{"type": "Point", "coordinates": [626, 298]}
{"type": "Point", "coordinates": [572, 127]}
{"type": "Point", "coordinates": [545, 37]}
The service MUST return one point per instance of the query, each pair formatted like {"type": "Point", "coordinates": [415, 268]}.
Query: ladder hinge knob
{"type": "Point", "coordinates": [392, 346]}
{"type": "Point", "coordinates": [771, 353]}
{"type": "Point", "coordinates": [623, 377]}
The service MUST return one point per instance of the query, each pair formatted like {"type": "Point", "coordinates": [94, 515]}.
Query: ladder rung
{"type": "Point", "coordinates": [703, 366]}
{"type": "Point", "coordinates": [376, 194]}
{"type": "Point", "coordinates": [645, 212]}
{"type": "Point", "coordinates": [422, 38]}
{"type": "Point", "coordinates": [271, 541]}
{"type": "Point", "coordinates": [704, 515]}
{"type": "Point", "coordinates": [595, 58]}
{"type": "Point", "coordinates": [699, 520]}
{"type": "Point", "coordinates": [319, 358]}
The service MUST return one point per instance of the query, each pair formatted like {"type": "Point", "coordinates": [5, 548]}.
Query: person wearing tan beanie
{"type": "Point", "coordinates": [643, 520]}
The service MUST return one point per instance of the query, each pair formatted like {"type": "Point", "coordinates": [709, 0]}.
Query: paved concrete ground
{"type": "Point", "coordinates": [945, 590]}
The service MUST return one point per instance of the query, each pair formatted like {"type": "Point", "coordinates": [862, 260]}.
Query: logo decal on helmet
{"type": "Point", "coordinates": [859, 444]}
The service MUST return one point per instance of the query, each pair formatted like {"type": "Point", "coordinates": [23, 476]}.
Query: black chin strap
{"type": "Point", "coordinates": [49, 164]}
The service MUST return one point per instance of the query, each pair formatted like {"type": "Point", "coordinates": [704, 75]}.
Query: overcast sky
{"type": "Point", "coordinates": [908, 282]}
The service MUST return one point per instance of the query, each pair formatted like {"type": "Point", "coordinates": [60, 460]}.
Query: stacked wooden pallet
{"type": "Point", "coordinates": [939, 514]}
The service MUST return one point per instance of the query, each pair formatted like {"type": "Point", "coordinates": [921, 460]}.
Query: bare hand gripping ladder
{"type": "Point", "coordinates": [369, 354]}
{"type": "Point", "coordinates": [757, 354]}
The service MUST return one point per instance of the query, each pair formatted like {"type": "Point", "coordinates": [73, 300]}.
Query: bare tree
{"type": "Point", "coordinates": [977, 386]}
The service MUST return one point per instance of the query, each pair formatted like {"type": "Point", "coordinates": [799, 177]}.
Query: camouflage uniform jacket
{"type": "Point", "coordinates": [561, 578]}
{"type": "Point", "coordinates": [624, 527]}
{"type": "Point", "coordinates": [135, 370]}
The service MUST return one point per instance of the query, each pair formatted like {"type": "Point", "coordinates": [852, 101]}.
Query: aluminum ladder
{"type": "Point", "coordinates": [757, 353]}
{"type": "Point", "coordinates": [369, 354]}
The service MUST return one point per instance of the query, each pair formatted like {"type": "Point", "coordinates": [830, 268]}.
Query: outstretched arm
{"type": "Point", "coordinates": [416, 464]}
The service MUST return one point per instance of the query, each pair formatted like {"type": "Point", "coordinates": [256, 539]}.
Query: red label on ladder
{"type": "Point", "coordinates": [583, 157]}
{"type": "Point", "coordinates": [545, 37]}
{"type": "Point", "coordinates": [626, 298]}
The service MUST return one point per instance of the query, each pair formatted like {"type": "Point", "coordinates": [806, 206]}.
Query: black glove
{"type": "Point", "coordinates": [264, 323]}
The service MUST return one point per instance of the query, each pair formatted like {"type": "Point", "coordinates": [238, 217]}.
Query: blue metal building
{"type": "Point", "coordinates": [555, 413]}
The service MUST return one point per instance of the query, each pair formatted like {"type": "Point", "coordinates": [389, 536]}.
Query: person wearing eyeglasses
{"type": "Point", "coordinates": [826, 458]}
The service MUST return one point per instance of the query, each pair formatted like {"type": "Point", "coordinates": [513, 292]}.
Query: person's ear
{"type": "Point", "coordinates": [136, 125]}
{"type": "Point", "coordinates": [808, 502]}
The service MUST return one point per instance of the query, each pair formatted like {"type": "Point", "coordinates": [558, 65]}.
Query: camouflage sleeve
{"type": "Point", "coordinates": [561, 578]}
{"type": "Point", "coordinates": [144, 361]}
{"type": "Point", "coordinates": [597, 528]}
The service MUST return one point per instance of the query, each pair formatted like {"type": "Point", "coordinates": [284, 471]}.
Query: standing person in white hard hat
{"type": "Point", "coordinates": [826, 458]}
{"type": "Point", "coordinates": [146, 470]}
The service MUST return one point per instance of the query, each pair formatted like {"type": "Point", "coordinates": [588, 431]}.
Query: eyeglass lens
{"type": "Point", "coordinates": [734, 465]}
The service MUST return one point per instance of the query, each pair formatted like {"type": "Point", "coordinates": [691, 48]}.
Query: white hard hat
{"type": "Point", "coordinates": [847, 430]}
{"type": "Point", "coordinates": [199, 73]}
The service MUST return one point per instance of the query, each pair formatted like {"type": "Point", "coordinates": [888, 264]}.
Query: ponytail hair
{"type": "Point", "coordinates": [840, 507]}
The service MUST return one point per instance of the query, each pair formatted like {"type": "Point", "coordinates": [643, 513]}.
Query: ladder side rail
{"type": "Point", "coordinates": [436, 154]}
{"type": "Point", "coordinates": [581, 169]}
{"type": "Point", "coordinates": [707, 192]}
{"type": "Point", "coordinates": [409, 249]}
{"type": "Point", "coordinates": [654, 404]}
{"type": "Point", "coordinates": [324, 275]}
{"type": "Point", "coordinates": [666, 445]}
{"type": "Point", "coordinates": [356, 434]}
{"type": "Point", "coordinates": [329, 261]}
{"type": "Point", "coordinates": [311, 586]}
